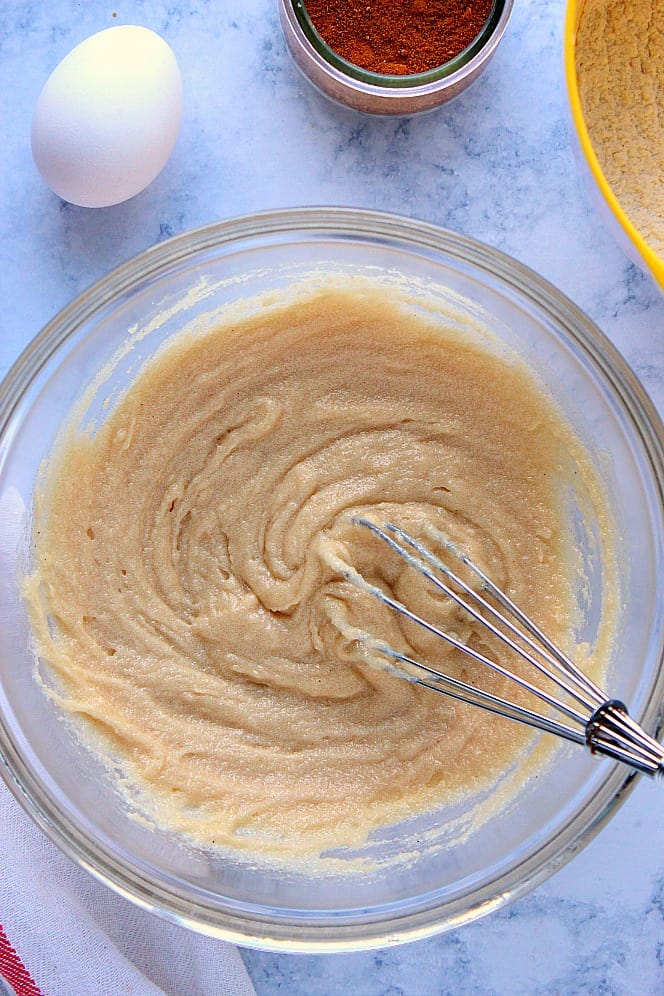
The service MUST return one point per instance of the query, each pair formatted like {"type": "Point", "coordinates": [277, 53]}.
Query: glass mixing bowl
{"type": "Point", "coordinates": [72, 796]}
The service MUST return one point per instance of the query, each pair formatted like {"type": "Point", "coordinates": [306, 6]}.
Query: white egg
{"type": "Point", "coordinates": [108, 116]}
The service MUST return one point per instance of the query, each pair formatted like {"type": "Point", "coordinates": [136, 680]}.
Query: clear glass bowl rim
{"type": "Point", "coordinates": [314, 935]}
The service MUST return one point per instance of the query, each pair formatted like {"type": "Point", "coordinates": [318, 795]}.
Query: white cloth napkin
{"type": "Point", "coordinates": [74, 936]}
{"type": "Point", "coordinates": [77, 938]}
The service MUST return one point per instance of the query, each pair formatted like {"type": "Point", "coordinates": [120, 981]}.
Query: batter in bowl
{"type": "Point", "coordinates": [185, 601]}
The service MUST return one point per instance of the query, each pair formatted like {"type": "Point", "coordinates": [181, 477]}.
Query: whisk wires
{"type": "Point", "coordinates": [590, 717]}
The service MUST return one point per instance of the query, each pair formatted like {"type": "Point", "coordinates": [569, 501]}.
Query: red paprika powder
{"type": "Point", "coordinates": [398, 37]}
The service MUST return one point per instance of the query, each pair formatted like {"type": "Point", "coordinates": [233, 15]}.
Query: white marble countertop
{"type": "Point", "coordinates": [495, 164]}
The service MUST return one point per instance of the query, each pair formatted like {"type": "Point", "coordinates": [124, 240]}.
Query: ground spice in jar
{"type": "Point", "coordinates": [398, 37]}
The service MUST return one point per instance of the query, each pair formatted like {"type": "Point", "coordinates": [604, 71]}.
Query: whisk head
{"type": "Point", "coordinates": [584, 715]}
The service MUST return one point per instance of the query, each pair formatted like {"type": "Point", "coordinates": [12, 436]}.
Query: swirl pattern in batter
{"type": "Point", "coordinates": [182, 593]}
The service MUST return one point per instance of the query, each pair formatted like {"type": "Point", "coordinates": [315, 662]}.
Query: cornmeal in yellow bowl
{"type": "Point", "coordinates": [619, 65]}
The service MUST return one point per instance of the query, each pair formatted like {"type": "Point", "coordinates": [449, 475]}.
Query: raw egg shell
{"type": "Point", "coordinates": [108, 116]}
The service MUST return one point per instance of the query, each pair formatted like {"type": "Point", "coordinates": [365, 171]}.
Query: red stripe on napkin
{"type": "Point", "coordinates": [14, 971]}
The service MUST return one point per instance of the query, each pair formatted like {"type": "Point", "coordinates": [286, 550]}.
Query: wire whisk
{"type": "Point", "coordinates": [588, 716]}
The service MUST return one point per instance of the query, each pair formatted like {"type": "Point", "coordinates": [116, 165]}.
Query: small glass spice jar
{"type": "Point", "coordinates": [383, 93]}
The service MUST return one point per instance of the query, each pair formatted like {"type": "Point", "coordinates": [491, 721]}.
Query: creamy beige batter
{"type": "Point", "coordinates": [620, 71]}
{"type": "Point", "coordinates": [182, 591]}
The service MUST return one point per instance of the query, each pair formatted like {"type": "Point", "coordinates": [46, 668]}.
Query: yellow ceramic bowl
{"type": "Point", "coordinates": [606, 201]}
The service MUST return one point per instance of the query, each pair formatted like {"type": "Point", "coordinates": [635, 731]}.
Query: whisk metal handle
{"type": "Point", "coordinates": [612, 732]}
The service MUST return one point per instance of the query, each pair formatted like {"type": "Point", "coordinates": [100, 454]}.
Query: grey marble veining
{"type": "Point", "coordinates": [596, 927]}
{"type": "Point", "coordinates": [496, 164]}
